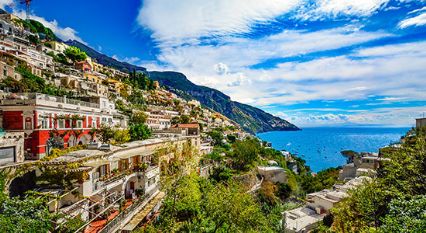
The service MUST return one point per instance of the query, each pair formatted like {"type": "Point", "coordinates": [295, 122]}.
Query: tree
{"type": "Point", "coordinates": [323, 180]}
{"type": "Point", "coordinates": [24, 215]}
{"type": "Point", "coordinates": [194, 204]}
{"type": "Point", "coordinates": [121, 136]}
{"type": "Point", "coordinates": [139, 131]}
{"type": "Point", "coordinates": [246, 152]}
{"type": "Point", "coordinates": [362, 210]}
{"type": "Point", "coordinates": [267, 193]}
{"type": "Point", "coordinates": [105, 133]}
{"type": "Point", "coordinates": [230, 209]}
{"type": "Point", "coordinates": [283, 191]}
{"type": "Point", "coordinates": [391, 201]}
{"type": "Point", "coordinates": [231, 138]}
{"type": "Point", "coordinates": [406, 215]}
{"type": "Point", "coordinates": [75, 54]}
{"type": "Point", "coordinates": [184, 119]}
{"type": "Point", "coordinates": [217, 137]}
{"type": "Point", "coordinates": [138, 118]}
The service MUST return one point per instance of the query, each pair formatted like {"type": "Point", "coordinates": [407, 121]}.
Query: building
{"type": "Point", "coordinates": [57, 46]}
{"type": "Point", "coordinates": [360, 165]}
{"type": "Point", "coordinates": [302, 219]}
{"type": "Point", "coordinates": [7, 70]}
{"type": "Point", "coordinates": [84, 66]}
{"type": "Point", "coordinates": [40, 115]}
{"type": "Point", "coordinates": [421, 122]}
{"type": "Point", "coordinates": [159, 119]}
{"type": "Point", "coordinates": [273, 174]}
{"type": "Point", "coordinates": [192, 129]}
{"type": "Point", "coordinates": [129, 174]}
{"type": "Point", "coordinates": [306, 218]}
{"type": "Point", "coordinates": [11, 148]}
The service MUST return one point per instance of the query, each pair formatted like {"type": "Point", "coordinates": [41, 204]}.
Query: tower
{"type": "Point", "coordinates": [27, 5]}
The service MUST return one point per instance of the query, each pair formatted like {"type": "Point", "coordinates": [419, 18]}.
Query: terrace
{"type": "Point", "coordinates": [42, 99]}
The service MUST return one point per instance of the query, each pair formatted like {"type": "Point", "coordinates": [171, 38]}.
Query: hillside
{"type": "Point", "coordinates": [252, 119]}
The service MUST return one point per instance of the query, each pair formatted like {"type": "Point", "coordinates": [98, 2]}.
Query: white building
{"type": "Point", "coordinates": [306, 218]}
{"type": "Point", "coordinates": [273, 174]}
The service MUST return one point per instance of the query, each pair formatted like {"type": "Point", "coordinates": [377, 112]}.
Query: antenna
{"type": "Point", "coordinates": [27, 4]}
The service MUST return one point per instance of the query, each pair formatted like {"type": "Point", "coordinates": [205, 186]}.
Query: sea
{"type": "Point", "coordinates": [321, 147]}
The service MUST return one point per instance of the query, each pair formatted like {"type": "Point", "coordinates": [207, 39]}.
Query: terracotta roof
{"type": "Point", "coordinates": [192, 125]}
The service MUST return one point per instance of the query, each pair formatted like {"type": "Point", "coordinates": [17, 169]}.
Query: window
{"type": "Point", "coordinates": [94, 124]}
{"type": "Point", "coordinates": [103, 170]}
{"type": "Point", "coordinates": [28, 123]}
{"type": "Point", "coordinates": [43, 122]}
{"type": "Point", "coordinates": [123, 164]}
{"type": "Point", "coordinates": [79, 124]}
{"type": "Point", "coordinates": [61, 123]}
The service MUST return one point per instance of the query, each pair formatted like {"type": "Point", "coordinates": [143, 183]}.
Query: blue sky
{"type": "Point", "coordinates": [313, 62]}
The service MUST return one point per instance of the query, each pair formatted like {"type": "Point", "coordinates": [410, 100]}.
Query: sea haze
{"type": "Point", "coordinates": [321, 147]}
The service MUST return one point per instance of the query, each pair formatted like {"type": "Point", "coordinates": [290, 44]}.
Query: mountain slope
{"type": "Point", "coordinates": [252, 119]}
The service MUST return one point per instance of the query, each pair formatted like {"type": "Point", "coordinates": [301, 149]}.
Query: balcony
{"type": "Point", "coordinates": [113, 179]}
{"type": "Point", "coordinates": [125, 216]}
{"type": "Point", "coordinates": [42, 99]}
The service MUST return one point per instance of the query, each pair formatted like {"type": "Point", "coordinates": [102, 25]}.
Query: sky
{"type": "Point", "coordinates": [312, 62]}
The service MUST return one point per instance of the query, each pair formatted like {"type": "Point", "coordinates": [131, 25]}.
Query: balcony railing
{"type": "Point", "coordinates": [114, 224]}
{"type": "Point", "coordinates": [33, 98]}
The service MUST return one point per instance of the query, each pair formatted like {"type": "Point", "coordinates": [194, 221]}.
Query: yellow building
{"type": "Point", "coordinates": [59, 47]}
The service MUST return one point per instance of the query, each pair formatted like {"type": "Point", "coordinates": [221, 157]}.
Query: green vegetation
{"type": "Point", "coordinates": [37, 28]}
{"type": "Point", "coordinates": [395, 200]}
{"type": "Point", "coordinates": [31, 83]}
{"type": "Point", "coordinates": [245, 153]}
{"type": "Point", "coordinates": [323, 180]}
{"type": "Point", "coordinates": [75, 54]}
{"type": "Point", "coordinates": [138, 129]}
{"type": "Point", "coordinates": [182, 119]}
{"type": "Point", "coordinates": [221, 203]}
{"type": "Point", "coordinates": [139, 132]}
{"type": "Point", "coordinates": [60, 58]}
{"type": "Point", "coordinates": [139, 80]}
{"type": "Point", "coordinates": [197, 205]}
{"type": "Point", "coordinates": [108, 134]}
{"type": "Point", "coordinates": [217, 137]}
{"type": "Point", "coordinates": [23, 215]}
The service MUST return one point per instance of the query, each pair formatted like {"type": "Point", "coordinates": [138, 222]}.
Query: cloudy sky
{"type": "Point", "coordinates": [312, 62]}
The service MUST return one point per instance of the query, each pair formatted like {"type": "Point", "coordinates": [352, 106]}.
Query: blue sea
{"type": "Point", "coordinates": [321, 147]}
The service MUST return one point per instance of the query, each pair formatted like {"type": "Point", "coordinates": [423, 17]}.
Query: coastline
{"type": "Point", "coordinates": [320, 147]}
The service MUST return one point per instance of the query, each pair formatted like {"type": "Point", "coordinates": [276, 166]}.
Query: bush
{"type": "Point", "coordinates": [139, 132]}
{"type": "Point", "coordinates": [75, 54]}
{"type": "Point", "coordinates": [121, 136]}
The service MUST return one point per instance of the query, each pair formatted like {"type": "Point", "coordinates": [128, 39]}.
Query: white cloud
{"type": "Point", "coordinates": [4, 3]}
{"type": "Point", "coordinates": [64, 33]}
{"type": "Point", "coordinates": [179, 20]}
{"type": "Point", "coordinates": [185, 21]}
{"type": "Point", "coordinates": [236, 54]}
{"type": "Point", "coordinates": [418, 20]}
{"type": "Point", "coordinates": [130, 60]}
{"type": "Point", "coordinates": [395, 71]}
{"type": "Point", "coordinates": [349, 7]}
{"type": "Point", "coordinates": [184, 32]}
{"type": "Point", "coordinates": [380, 116]}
